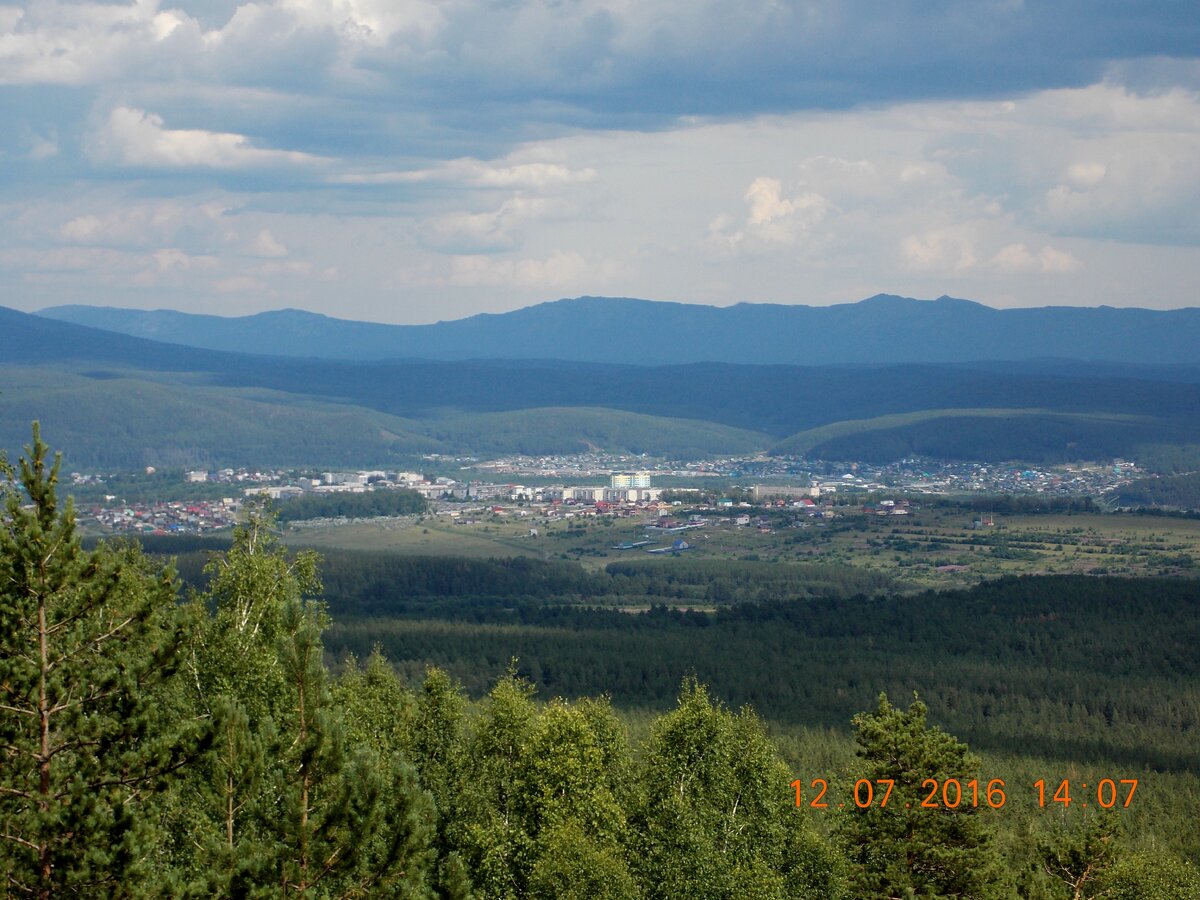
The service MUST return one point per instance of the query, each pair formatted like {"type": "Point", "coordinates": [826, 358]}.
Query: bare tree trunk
{"type": "Point", "coordinates": [304, 788]}
{"type": "Point", "coordinates": [229, 811]}
{"type": "Point", "coordinates": [44, 861]}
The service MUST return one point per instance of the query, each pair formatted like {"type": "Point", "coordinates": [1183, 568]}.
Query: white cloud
{"type": "Point", "coordinates": [134, 137]}
{"type": "Point", "coordinates": [772, 48]}
{"type": "Point", "coordinates": [173, 258]}
{"type": "Point", "coordinates": [241, 284]}
{"type": "Point", "coordinates": [766, 203]}
{"type": "Point", "coordinates": [1018, 258]}
{"type": "Point", "coordinates": [138, 224]}
{"type": "Point", "coordinates": [82, 229]}
{"type": "Point", "coordinates": [981, 199]}
{"type": "Point", "coordinates": [295, 267]}
{"type": "Point", "coordinates": [559, 271]}
{"type": "Point", "coordinates": [98, 261]}
{"type": "Point", "coordinates": [265, 245]}
{"type": "Point", "coordinates": [943, 251]}
{"type": "Point", "coordinates": [1086, 175]}
{"type": "Point", "coordinates": [771, 219]}
{"type": "Point", "coordinates": [499, 229]}
{"type": "Point", "coordinates": [171, 267]}
{"type": "Point", "coordinates": [1147, 188]}
{"type": "Point", "coordinates": [42, 147]}
{"type": "Point", "coordinates": [373, 23]}
{"type": "Point", "coordinates": [476, 173]}
{"type": "Point", "coordinates": [1098, 161]}
{"type": "Point", "coordinates": [526, 175]}
{"type": "Point", "coordinates": [86, 43]}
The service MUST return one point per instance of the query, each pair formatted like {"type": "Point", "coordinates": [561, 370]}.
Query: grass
{"type": "Point", "coordinates": [422, 538]}
{"type": "Point", "coordinates": [911, 549]}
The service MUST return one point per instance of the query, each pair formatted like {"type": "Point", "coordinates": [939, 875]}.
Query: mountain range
{"type": "Point", "coordinates": [117, 400]}
{"type": "Point", "coordinates": [881, 329]}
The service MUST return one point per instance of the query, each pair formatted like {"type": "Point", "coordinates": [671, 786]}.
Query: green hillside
{"type": "Point", "coordinates": [1172, 492]}
{"type": "Point", "coordinates": [989, 435]}
{"type": "Point", "coordinates": [805, 441]}
{"type": "Point", "coordinates": [140, 401]}
{"type": "Point", "coordinates": [115, 419]}
{"type": "Point", "coordinates": [572, 430]}
{"type": "Point", "coordinates": [127, 422]}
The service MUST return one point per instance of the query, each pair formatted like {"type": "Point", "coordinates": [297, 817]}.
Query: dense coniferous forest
{"type": "Point", "coordinates": [1071, 667]}
{"type": "Point", "coordinates": [1172, 491]}
{"type": "Point", "coordinates": [1016, 505]}
{"type": "Point", "coordinates": [1172, 459]}
{"type": "Point", "coordinates": [1044, 439]}
{"type": "Point", "coordinates": [162, 742]}
{"type": "Point", "coordinates": [360, 584]}
{"type": "Point", "coordinates": [395, 502]}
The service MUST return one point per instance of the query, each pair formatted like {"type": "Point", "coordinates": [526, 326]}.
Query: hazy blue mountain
{"type": "Point", "coordinates": [881, 329]}
{"type": "Point", "coordinates": [1041, 410]}
{"type": "Point", "coordinates": [771, 399]}
{"type": "Point", "coordinates": [26, 338]}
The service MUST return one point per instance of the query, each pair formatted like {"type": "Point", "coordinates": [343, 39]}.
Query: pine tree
{"type": "Point", "coordinates": [85, 640]}
{"type": "Point", "coordinates": [345, 828]}
{"type": "Point", "coordinates": [904, 849]}
{"type": "Point", "coordinates": [1079, 858]}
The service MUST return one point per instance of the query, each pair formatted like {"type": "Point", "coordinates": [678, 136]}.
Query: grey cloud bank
{"type": "Point", "coordinates": [411, 161]}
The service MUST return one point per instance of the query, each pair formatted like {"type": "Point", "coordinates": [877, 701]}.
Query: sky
{"type": "Point", "coordinates": [409, 161]}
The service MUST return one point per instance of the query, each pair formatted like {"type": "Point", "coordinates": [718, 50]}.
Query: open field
{"type": "Point", "coordinates": [928, 548]}
{"type": "Point", "coordinates": [426, 538]}
{"type": "Point", "coordinates": [922, 546]}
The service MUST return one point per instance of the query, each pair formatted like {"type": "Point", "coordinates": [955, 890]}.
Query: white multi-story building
{"type": "Point", "coordinates": [626, 480]}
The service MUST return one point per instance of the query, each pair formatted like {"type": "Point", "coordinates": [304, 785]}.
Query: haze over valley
{"type": "Point", "coordinates": [600, 450]}
{"type": "Point", "coordinates": [534, 382]}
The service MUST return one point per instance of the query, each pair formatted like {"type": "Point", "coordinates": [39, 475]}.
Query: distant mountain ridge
{"type": "Point", "coordinates": [123, 401]}
{"type": "Point", "coordinates": [883, 329]}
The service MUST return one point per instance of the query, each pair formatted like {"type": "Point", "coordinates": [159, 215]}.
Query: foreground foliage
{"type": "Point", "coordinates": [152, 748]}
{"type": "Point", "coordinates": [1066, 667]}
{"type": "Point", "coordinates": [87, 641]}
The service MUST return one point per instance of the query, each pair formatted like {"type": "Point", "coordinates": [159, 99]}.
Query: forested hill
{"type": "Point", "coordinates": [881, 329]}
{"type": "Point", "coordinates": [1171, 492]}
{"type": "Point", "coordinates": [777, 400]}
{"type": "Point", "coordinates": [80, 381]}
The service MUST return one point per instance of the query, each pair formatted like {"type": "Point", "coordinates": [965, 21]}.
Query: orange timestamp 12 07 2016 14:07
{"type": "Point", "coordinates": [955, 793]}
